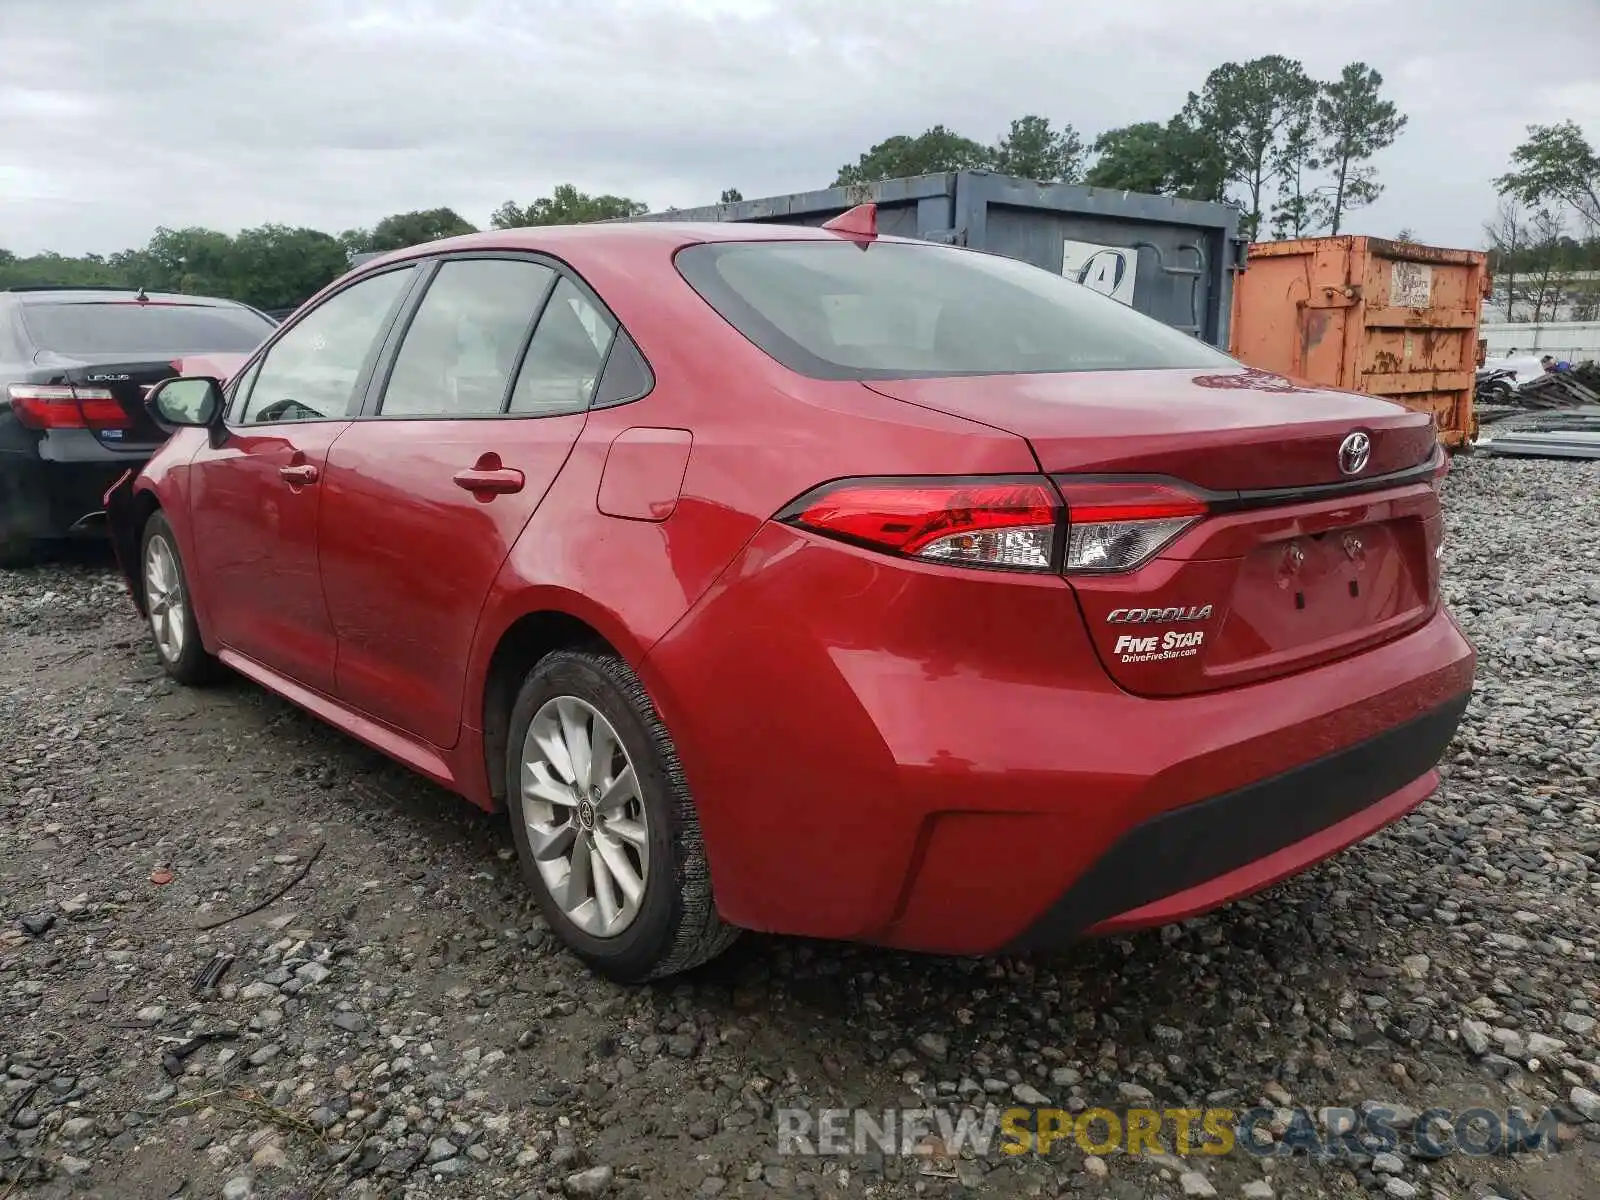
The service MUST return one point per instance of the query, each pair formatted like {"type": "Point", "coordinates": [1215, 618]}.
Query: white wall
{"type": "Point", "coordinates": [1574, 341]}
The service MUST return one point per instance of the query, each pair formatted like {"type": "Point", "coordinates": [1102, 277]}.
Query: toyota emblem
{"type": "Point", "coordinates": [1354, 452]}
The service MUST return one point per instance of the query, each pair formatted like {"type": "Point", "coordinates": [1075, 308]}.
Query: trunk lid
{"type": "Point", "coordinates": [1224, 431]}
{"type": "Point", "coordinates": [1296, 562]}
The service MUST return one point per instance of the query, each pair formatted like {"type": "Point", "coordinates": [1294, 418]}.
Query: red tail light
{"type": "Point", "coordinates": [59, 406]}
{"type": "Point", "coordinates": [1013, 523]}
{"type": "Point", "coordinates": [1117, 526]}
{"type": "Point", "coordinates": [1005, 523]}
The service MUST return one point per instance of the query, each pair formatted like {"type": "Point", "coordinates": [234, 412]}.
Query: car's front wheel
{"type": "Point", "coordinates": [173, 627]}
{"type": "Point", "coordinates": [604, 824]}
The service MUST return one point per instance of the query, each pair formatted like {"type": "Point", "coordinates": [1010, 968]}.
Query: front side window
{"type": "Point", "coordinates": [238, 391]}
{"type": "Point", "coordinates": [311, 372]}
{"type": "Point", "coordinates": [566, 356]}
{"type": "Point", "coordinates": [884, 310]}
{"type": "Point", "coordinates": [462, 345]}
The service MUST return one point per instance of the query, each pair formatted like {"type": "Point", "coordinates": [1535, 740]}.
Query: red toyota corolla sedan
{"type": "Point", "coordinates": [815, 581]}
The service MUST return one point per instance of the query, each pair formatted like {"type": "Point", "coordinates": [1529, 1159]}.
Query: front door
{"type": "Point", "coordinates": [257, 486]}
{"type": "Point", "coordinates": [424, 499]}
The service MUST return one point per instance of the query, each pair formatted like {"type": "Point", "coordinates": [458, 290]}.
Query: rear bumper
{"type": "Point", "coordinates": [43, 500]}
{"type": "Point", "coordinates": [927, 758]}
{"type": "Point", "coordinates": [1194, 858]}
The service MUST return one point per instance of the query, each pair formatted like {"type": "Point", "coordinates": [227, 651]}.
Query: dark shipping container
{"type": "Point", "coordinates": [1171, 259]}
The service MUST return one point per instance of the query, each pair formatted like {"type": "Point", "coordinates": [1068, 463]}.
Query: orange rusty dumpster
{"type": "Point", "coordinates": [1392, 319]}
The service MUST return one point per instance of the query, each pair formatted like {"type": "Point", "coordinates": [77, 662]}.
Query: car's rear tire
{"type": "Point", "coordinates": [585, 833]}
{"type": "Point", "coordinates": [174, 631]}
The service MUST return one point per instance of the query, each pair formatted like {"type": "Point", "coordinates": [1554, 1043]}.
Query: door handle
{"type": "Point", "coordinates": [482, 482]}
{"type": "Point", "coordinates": [298, 476]}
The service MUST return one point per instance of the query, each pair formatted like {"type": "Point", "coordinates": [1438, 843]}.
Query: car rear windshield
{"type": "Point", "coordinates": [884, 310]}
{"type": "Point", "coordinates": [128, 327]}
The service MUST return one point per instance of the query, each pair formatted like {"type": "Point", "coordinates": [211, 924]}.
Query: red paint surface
{"type": "Point", "coordinates": [1229, 431]}
{"type": "Point", "coordinates": [643, 475]}
{"type": "Point", "coordinates": [947, 748]}
{"type": "Point", "coordinates": [860, 221]}
{"type": "Point", "coordinates": [218, 366]}
{"type": "Point", "coordinates": [408, 556]}
{"type": "Point", "coordinates": [253, 549]}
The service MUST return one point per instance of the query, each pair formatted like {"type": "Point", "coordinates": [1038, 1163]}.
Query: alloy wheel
{"type": "Point", "coordinates": [585, 816]}
{"type": "Point", "coordinates": [163, 590]}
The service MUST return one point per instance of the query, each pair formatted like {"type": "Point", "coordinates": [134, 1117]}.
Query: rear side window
{"type": "Point", "coordinates": [566, 356]}
{"type": "Point", "coordinates": [135, 329]}
{"type": "Point", "coordinates": [626, 377]}
{"type": "Point", "coordinates": [884, 310]}
{"type": "Point", "coordinates": [461, 348]}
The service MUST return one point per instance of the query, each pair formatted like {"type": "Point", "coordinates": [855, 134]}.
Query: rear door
{"type": "Point", "coordinates": [487, 392]}
{"type": "Point", "coordinates": [256, 491]}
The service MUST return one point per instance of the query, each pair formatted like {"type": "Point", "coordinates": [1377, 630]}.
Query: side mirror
{"type": "Point", "coordinates": [195, 400]}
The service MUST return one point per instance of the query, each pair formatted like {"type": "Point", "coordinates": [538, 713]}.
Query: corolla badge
{"type": "Point", "coordinates": [1153, 616]}
{"type": "Point", "coordinates": [1354, 452]}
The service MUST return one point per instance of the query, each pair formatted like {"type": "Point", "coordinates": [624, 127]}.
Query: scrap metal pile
{"type": "Point", "coordinates": [1561, 389]}
{"type": "Point", "coordinates": [1556, 415]}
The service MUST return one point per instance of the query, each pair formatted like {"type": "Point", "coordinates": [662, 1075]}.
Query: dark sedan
{"type": "Point", "coordinates": [75, 365]}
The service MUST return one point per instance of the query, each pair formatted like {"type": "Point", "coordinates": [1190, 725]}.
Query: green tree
{"type": "Point", "coordinates": [194, 260]}
{"type": "Point", "coordinates": [355, 241]}
{"type": "Point", "coordinates": [1247, 110]}
{"type": "Point", "coordinates": [1295, 213]}
{"type": "Point", "coordinates": [566, 206]}
{"type": "Point", "coordinates": [1035, 149]}
{"type": "Point", "coordinates": [414, 228]}
{"type": "Point", "coordinates": [1134, 158]}
{"type": "Point", "coordinates": [1354, 122]}
{"type": "Point", "coordinates": [730, 196]}
{"type": "Point", "coordinates": [1556, 165]}
{"type": "Point", "coordinates": [936, 150]}
{"type": "Point", "coordinates": [1199, 167]}
{"type": "Point", "coordinates": [275, 266]}
{"type": "Point", "coordinates": [1162, 160]}
{"type": "Point", "coordinates": [58, 270]}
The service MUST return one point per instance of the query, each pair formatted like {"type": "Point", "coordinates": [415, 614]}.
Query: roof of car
{"type": "Point", "coordinates": [556, 239]}
{"type": "Point", "coordinates": [101, 295]}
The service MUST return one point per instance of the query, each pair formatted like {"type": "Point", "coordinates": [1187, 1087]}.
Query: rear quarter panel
{"type": "Point", "coordinates": [761, 436]}
{"type": "Point", "coordinates": [756, 446]}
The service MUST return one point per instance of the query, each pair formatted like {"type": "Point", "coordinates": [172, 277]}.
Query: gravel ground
{"type": "Point", "coordinates": [401, 1024]}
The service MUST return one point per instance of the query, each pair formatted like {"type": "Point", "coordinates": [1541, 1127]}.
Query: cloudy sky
{"type": "Point", "coordinates": [120, 115]}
